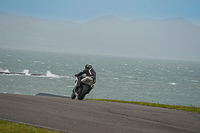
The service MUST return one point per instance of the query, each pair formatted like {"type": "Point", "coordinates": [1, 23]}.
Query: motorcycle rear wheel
{"type": "Point", "coordinates": [84, 92]}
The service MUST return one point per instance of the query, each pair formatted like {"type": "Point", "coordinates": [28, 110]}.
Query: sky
{"type": "Point", "coordinates": [173, 37]}
{"type": "Point", "coordinates": [84, 10]}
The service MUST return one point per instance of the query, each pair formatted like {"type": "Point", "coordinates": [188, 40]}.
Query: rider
{"type": "Point", "coordinates": [90, 77]}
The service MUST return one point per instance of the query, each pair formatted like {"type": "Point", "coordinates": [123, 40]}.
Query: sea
{"type": "Point", "coordinates": [173, 82]}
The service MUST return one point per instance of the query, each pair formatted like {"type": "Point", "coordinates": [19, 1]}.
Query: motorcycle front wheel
{"type": "Point", "coordinates": [73, 95]}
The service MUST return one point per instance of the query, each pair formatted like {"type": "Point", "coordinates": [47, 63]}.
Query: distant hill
{"type": "Point", "coordinates": [175, 38]}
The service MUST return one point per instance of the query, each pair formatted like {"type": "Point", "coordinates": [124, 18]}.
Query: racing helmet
{"type": "Point", "coordinates": [88, 66]}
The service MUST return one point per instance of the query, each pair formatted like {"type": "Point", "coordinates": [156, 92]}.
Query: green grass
{"type": "Point", "coordinates": [176, 107]}
{"type": "Point", "coordinates": [9, 127]}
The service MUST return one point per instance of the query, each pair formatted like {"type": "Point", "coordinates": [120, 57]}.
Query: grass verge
{"type": "Point", "coordinates": [176, 107]}
{"type": "Point", "coordinates": [10, 127]}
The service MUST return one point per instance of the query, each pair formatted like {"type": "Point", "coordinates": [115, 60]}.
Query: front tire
{"type": "Point", "coordinates": [84, 92]}
{"type": "Point", "coordinates": [73, 95]}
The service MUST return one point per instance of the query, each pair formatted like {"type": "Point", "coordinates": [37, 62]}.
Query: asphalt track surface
{"type": "Point", "coordinates": [74, 116]}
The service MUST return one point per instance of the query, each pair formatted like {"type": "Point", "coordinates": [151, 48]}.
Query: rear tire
{"type": "Point", "coordinates": [84, 92]}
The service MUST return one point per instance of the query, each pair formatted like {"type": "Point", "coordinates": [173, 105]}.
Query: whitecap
{"type": "Point", "coordinates": [7, 71]}
{"type": "Point", "coordinates": [68, 77]}
{"type": "Point", "coordinates": [194, 80]}
{"type": "Point", "coordinates": [26, 71]}
{"type": "Point", "coordinates": [70, 86]}
{"type": "Point", "coordinates": [49, 74]}
{"type": "Point", "coordinates": [172, 83]}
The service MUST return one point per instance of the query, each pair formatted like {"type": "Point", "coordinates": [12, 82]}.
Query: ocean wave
{"type": "Point", "coordinates": [70, 86]}
{"type": "Point", "coordinates": [49, 74]}
{"type": "Point", "coordinates": [1, 70]}
{"type": "Point", "coordinates": [26, 73]}
{"type": "Point", "coordinates": [172, 83]}
{"type": "Point", "coordinates": [194, 81]}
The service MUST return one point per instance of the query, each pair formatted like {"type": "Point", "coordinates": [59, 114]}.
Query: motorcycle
{"type": "Point", "coordinates": [81, 92]}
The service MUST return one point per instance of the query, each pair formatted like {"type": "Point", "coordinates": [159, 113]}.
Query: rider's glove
{"type": "Point", "coordinates": [76, 75]}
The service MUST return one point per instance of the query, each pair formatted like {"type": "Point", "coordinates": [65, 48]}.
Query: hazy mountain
{"type": "Point", "coordinates": [167, 38]}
